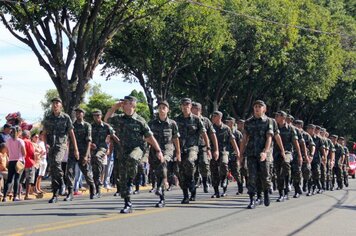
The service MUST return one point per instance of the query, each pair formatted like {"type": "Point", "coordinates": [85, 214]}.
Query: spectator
{"type": "Point", "coordinates": [16, 152]}
{"type": "Point", "coordinates": [42, 163]}
{"type": "Point", "coordinates": [5, 134]}
{"type": "Point", "coordinates": [29, 163]}
{"type": "Point", "coordinates": [3, 166]}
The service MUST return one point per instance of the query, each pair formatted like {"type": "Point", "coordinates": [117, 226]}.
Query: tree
{"type": "Point", "coordinates": [154, 50]}
{"type": "Point", "coordinates": [68, 36]}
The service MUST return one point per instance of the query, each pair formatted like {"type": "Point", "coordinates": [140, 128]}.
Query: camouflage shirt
{"type": "Point", "coordinates": [224, 136]}
{"type": "Point", "coordinates": [209, 129]}
{"type": "Point", "coordinates": [164, 132]}
{"type": "Point", "coordinates": [331, 147]}
{"type": "Point", "coordinates": [339, 152]}
{"type": "Point", "coordinates": [288, 135]}
{"type": "Point", "coordinates": [190, 128]}
{"type": "Point", "coordinates": [319, 146]}
{"type": "Point", "coordinates": [257, 129]}
{"type": "Point", "coordinates": [131, 131]}
{"type": "Point", "coordinates": [100, 132]}
{"type": "Point", "coordinates": [57, 128]}
{"type": "Point", "coordinates": [309, 142]}
{"type": "Point", "coordinates": [238, 138]}
{"type": "Point", "coordinates": [82, 132]}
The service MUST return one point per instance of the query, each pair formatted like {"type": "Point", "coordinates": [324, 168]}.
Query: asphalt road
{"type": "Point", "coordinates": [330, 213]}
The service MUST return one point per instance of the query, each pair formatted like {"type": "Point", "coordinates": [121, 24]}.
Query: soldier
{"type": "Point", "coordinates": [219, 167]}
{"type": "Point", "coordinates": [307, 155]}
{"type": "Point", "coordinates": [323, 162]}
{"type": "Point", "coordinates": [132, 131]}
{"type": "Point", "coordinates": [203, 162]}
{"type": "Point", "coordinates": [283, 164]}
{"type": "Point", "coordinates": [243, 163]}
{"type": "Point", "coordinates": [345, 163]}
{"type": "Point", "coordinates": [57, 126]}
{"type": "Point", "coordinates": [234, 166]}
{"type": "Point", "coordinates": [166, 133]}
{"type": "Point", "coordinates": [82, 131]}
{"type": "Point", "coordinates": [257, 138]}
{"type": "Point", "coordinates": [329, 162]}
{"type": "Point", "coordinates": [339, 159]}
{"type": "Point", "coordinates": [99, 147]}
{"type": "Point", "coordinates": [190, 128]}
{"type": "Point", "coordinates": [319, 156]}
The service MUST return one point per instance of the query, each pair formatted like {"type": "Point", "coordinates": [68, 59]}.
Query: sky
{"type": "Point", "coordinates": [24, 82]}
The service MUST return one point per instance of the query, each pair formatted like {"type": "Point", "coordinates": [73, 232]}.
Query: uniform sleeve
{"type": "Point", "coordinates": [275, 127]}
{"type": "Point", "coordinates": [231, 134]}
{"type": "Point", "coordinates": [69, 124]}
{"type": "Point", "coordinates": [175, 132]}
{"type": "Point", "coordinates": [270, 128]}
{"type": "Point", "coordinates": [146, 131]}
{"type": "Point", "coordinates": [210, 128]}
{"type": "Point", "coordinates": [111, 131]}
{"type": "Point", "coordinates": [89, 138]}
{"type": "Point", "coordinates": [294, 134]}
{"type": "Point", "coordinates": [201, 127]}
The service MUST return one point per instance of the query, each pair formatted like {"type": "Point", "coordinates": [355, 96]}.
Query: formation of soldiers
{"type": "Point", "coordinates": [264, 153]}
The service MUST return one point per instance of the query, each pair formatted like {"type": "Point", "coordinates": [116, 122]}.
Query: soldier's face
{"type": "Point", "coordinates": [186, 108]}
{"type": "Point", "coordinates": [196, 111]}
{"type": "Point", "coordinates": [163, 110]}
{"type": "Point", "coordinates": [216, 119]}
{"type": "Point", "coordinates": [97, 118]}
{"type": "Point", "coordinates": [311, 131]}
{"type": "Point", "coordinates": [56, 106]}
{"type": "Point", "coordinates": [230, 123]}
{"type": "Point", "coordinates": [79, 115]}
{"type": "Point", "coordinates": [240, 125]}
{"type": "Point", "coordinates": [129, 107]}
{"type": "Point", "coordinates": [259, 110]}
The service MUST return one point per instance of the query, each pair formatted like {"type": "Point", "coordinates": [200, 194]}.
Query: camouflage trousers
{"type": "Point", "coordinates": [127, 168]}
{"type": "Point", "coordinates": [55, 157]}
{"type": "Point", "coordinates": [337, 171]}
{"type": "Point", "coordinates": [219, 169]}
{"type": "Point", "coordinates": [202, 164]}
{"type": "Point", "coordinates": [160, 168]}
{"type": "Point", "coordinates": [296, 173]}
{"type": "Point", "coordinates": [315, 168]}
{"type": "Point", "coordinates": [258, 175]}
{"type": "Point", "coordinates": [322, 174]}
{"type": "Point", "coordinates": [141, 175]}
{"type": "Point", "coordinates": [70, 172]}
{"type": "Point", "coordinates": [306, 171]}
{"type": "Point", "coordinates": [96, 161]}
{"type": "Point", "coordinates": [187, 168]}
{"type": "Point", "coordinates": [244, 170]}
{"type": "Point", "coordinates": [234, 168]}
{"type": "Point", "coordinates": [172, 172]}
{"type": "Point", "coordinates": [283, 170]}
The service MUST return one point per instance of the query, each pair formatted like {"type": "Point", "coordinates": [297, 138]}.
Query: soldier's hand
{"type": "Point", "coordinates": [92, 146]}
{"type": "Point", "coordinates": [118, 105]}
{"type": "Point", "coordinates": [263, 156]}
{"type": "Point", "coordinates": [215, 155]}
{"type": "Point", "coordinates": [76, 155]}
{"type": "Point", "coordinates": [85, 161]}
{"type": "Point", "coordinates": [179, 158]}
{"type": "Point", "coordinates": [300, 161]}
{"type": "Point", "coordinates": [160, 156]}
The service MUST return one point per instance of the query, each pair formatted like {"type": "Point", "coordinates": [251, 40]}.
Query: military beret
{"type": "Point", "coordinates": [96, 112]}
{"type": "Point", "coordinates": [219, 113]}
{"type": "Point", "coordinates": [259, 102]}
{"type": "Point", "coordinates": [341, 138]}
{"type": "Point", "coordinates": [230, 119]}
{"type": "Point", "coordinates": [56, 99]}
{"type": "Point", "coordinates": [334, 136]}
{"type": "Point", "coordinates": [163, 102]}
{"type": "Point", "coordinates": [298, 122]}
{"type": "Point", "coordinates": [79, 109]}
{"type": "Point", "coordinates": [311, 126]}
{"type": "Point", "coordinates": [281, 113]}
{"type": "Point", "coordinates": [185, 100]}
{"type": "Point", "coordinates": [317, 127]}
{"type": "Point", "coordinates": [196, 104]}
{"type": "Point", "coordinates": [290, 117]}
{"type": "Point", "coordinates": [130, 98]}
{"type": "Point", "coordinates": [240, 121]}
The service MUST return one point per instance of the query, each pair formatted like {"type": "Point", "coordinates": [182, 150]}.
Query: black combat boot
{"type": "Point", "coordinates": [193, 191]}
{"type": "Point", "coordinates": [98, 191]}
{"type": "Point", "coordinates": [266, 198]}
{"type": "Point", "coordinates": [286, 194]}
{"type": "Point", "coordinates": [54, 198]}
{"type": "Point", "coordinates": [69, 196]}
{"type": "Point", "coordinates": [185, 196]}
{"type": "Point", "coordinates": [137, 189]}
{"type": "Point", "coordinates": [224, 194]}
{"type": "Point", "coordinates": [304, 185]}
{"type": "Point", "coordinates": [161, 202]}
{"type": "Point", "coordinates": [92, 191]}
{"type": "Point", "coordinates": [281, 196]}
{"type": "Point", "coordinates": [205, 184]}
{"type": "Point", "coordinates": [259, 198]}
{"type": "Point", "coordinates": [216, 192]}
{"type": "Point", "coordinates": [127, 207]}
{"type": "Point", "coordinates": [252, 204]}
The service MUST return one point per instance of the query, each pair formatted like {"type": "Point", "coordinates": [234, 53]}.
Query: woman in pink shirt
{"type": "Point", "coordinates": [16, 152]}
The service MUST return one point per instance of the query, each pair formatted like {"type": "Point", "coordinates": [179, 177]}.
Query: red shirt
{"type": "Point", "coordinates": [30, 153]}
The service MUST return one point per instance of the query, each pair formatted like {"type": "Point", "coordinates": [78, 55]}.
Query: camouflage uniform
{"type": "Point", "coordinates": [345, 165]}
{"type": "Point", "coordinates": [323, 165]}
{"type": "Point", "coordinates": [296, 169]}
{"type": "Point", "coordinates": [315, 165]}
{"type": "Point", "coordinates": [203, 162]}
{"type": "Point", "coordinates": [257, 129]}
{"type": "Point", "coordinates": [283, 166]}
{"type": "Point", "coordinates": [82, 132]}
{"type": "Point", "coordinates": [131, 130]}
{"type": "Point", "coordinates": [219, 168]}
{"type": "Point", "coordinates": [306, 167]}
{"type": "Point", "coordinates": [57, 128]}
{"type": "Point", "coordinates": [270, 155]}
{"type": "Point", "coordinates": [233, 164]}
{"type": "Point", "coordinates": [164, 132]}
{"type": "Point", "coordinates": [99, 135]}
{"type": "Point", "coordinates": [328, 164]}
{"type": "Point", "coordinates": [190, 128]}
{"type": "Point", "coordinates": [337, 170]}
